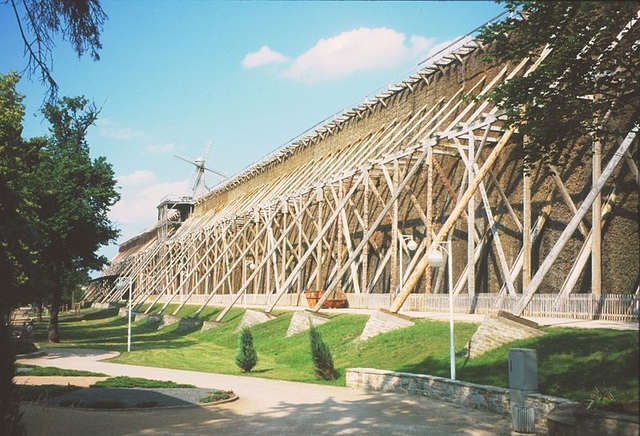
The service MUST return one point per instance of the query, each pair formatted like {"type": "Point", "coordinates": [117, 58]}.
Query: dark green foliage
{"type": "Point", "coordinates": [247, 356]}
{"type": "Point", "coordinates": [10, 416]}
{"type": "Point", "coordinates": [75, 195]}
{"type": "Point", "coordinates": [18, 236]}
{"type": "Point", "coordinates": [589, 72]}
{"type": "Point", "coordinates": [216, 395]}
{"type": "Point", "coordinates": [321, 355]}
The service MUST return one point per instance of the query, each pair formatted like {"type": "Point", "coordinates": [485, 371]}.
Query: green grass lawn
{"type": "Point", "coordinates": [572, 363]}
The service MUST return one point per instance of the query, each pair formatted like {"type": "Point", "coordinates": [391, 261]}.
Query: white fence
{"type": "Point", "coordinates": [608, 307]}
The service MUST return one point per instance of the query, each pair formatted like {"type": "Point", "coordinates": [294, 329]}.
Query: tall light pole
{"type": "Point", "coordinates": [435, 258]}
{"type": "Point", "coordinates": [120, 284]}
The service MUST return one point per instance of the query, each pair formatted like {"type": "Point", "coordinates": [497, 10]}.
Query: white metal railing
{"type": "Point", "coordinates": [610, 307]}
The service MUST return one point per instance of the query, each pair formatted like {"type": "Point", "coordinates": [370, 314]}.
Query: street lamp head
{"type": "Point", "coordinates": [121, 282]}
{"type": "Point", "coordinates": [252, 266]}
{"type": "Point", "coordinates": [435, 258]}
{"type": "Point", "coordinates": [412, 245]}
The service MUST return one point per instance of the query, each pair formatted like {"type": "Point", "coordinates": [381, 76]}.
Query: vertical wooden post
{"type": "Point", "coordinates": [365, 229]}
{"type": "Point", "coordinates": [320, 199]}
{"type": "Point", "coordinates": [526, 228]}
{"type": "Point", "coordinates": [394, 246]}
{"type": "Point", "coordinates": [471, 223]}
{"type": "Point", "coordinates": [596, 226]}
{"type": "Point", "coordinates": [285, 240]}
{"type": "Point", "coordinates": [429, 216]}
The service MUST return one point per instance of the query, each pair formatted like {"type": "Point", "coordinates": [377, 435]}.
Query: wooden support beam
{"type": "Point", "coordinates": [449, 223]}
{"type": "Point", "coordinates": [573, 224]}
{"type": "Point", "coordinates": [526, 231]}
{"type": "Point", "coordinates": [596, 224]}
{"type": "Point", "coordinates": [376, 223]}
{"type": "Point", "coordinates": [567, 198]}
{"type": "Point", "coordinates": [585, 251]}
{"type": "Point", "coordinates": [292, 276]}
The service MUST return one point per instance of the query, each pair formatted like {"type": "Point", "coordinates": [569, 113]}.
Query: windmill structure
{"type": "Point", "coordinates": [198, 181]}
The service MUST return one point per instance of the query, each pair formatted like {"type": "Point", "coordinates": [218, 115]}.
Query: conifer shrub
{"type": "Point", "coordinates": [247, 356]}
{"type": "Point", "coordinates": [321, 355]}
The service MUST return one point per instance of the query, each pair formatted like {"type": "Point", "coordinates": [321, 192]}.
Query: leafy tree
{"type": "Point", "coordinates": [591, 70]}
{"type": "Point", "coordinates": [321, 355]}
{"type": "Point", "coordinates": [247, 356]}
{"type": "Point", "coordinates": [17, 208]}
{"type": "Point", "coordinates": [75, 195]}
{"type": "Point", "coordinates": [40, 21]}
{"type": "Point", "coordinates": [18, 238]}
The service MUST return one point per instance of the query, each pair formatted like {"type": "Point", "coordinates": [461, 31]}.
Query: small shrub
{"type": "Point", "coordinates": [216, 395]}
{"type": "Point", "coordinates": [322, 360]}
{"type": "Point", "coordinates": [137, 382]}
{"type": "Point", "coordinates": [247, 356]}
{"type": "Point", "coordinates": [599, 399]}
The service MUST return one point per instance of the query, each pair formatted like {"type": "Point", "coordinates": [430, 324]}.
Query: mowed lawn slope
{"type": "Point", "coordinates": [579, 364]}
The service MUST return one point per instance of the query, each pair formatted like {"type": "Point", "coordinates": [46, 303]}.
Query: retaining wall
{"type": "Point", "coordinates": [475, 396]}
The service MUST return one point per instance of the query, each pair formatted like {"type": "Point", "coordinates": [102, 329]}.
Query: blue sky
{"type": "Point", "coordinates": [246, 76]}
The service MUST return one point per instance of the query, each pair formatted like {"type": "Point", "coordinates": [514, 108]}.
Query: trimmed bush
{"type": "Point", "coordinates": [247, 356]}
{"type": "Point", "coordinates": [322, 360]}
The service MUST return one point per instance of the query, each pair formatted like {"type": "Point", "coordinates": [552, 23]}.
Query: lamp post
{"type": "Point", "coordinates": [120, 284]}
{"type": "Point", "coordinates": [411, 246]}
{"type": "Point", "coordinates": [435, 258]}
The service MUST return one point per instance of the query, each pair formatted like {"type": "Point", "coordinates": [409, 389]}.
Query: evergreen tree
{"type": "Point", "coordinates": [321, 355]}
{"type": "Point", "coordinates": [247, 356]}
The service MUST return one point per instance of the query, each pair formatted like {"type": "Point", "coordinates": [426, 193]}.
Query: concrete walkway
{"type": "Point", "coordinates": [265, 407]}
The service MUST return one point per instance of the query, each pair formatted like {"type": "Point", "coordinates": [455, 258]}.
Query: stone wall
{"type": "Point", "coordinates": [475, 396]}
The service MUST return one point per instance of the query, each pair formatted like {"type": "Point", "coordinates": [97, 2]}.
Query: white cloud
{"type": "Point", "coordinates": [162, 148]}
{"type": "Point", "coordinates": [137, 209]}
{"type": "Point", "coordinates": [262, 57]}
{"type": "Point", "coordinates": [137, 178]}
{"type": "Point", "coordinates": [421, 46]}
{"type": "Point", "coordinates": [110, 129]}
{"type": "Point", "coordinates": [355, 51]}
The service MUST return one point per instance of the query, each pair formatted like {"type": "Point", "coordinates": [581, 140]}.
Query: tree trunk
{"type": "Point", "coordinates": [39, 311]}
{"type": "Point", "coordinates": [53, 331]}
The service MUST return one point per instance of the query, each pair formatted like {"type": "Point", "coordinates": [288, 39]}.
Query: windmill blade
{"type": "Point", "coordinates": [215, 173]}
{"type": "Point", "coordinates": [185, 158]}
{"type": "Point", "coordinates": [207, 151]}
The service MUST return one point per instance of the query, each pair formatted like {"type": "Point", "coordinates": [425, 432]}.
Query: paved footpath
{"type": "Point", "coordinates": [265, 407]}
{"type": "Point", "coordinates": [271, 407]}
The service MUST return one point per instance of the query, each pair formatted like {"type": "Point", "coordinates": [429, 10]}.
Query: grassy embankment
{"type": "Point", "coordinates": [572, 363]}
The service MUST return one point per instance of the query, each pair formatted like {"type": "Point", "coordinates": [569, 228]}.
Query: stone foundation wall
{"type": "Point", "coordinates": [475, 396]}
